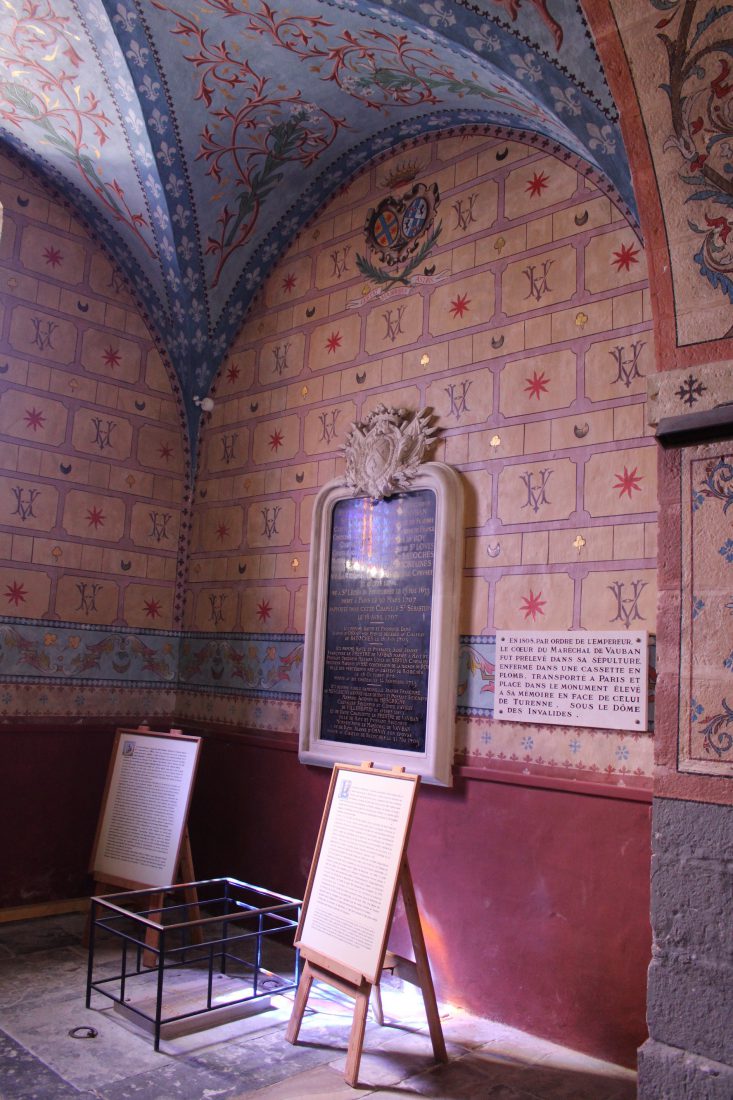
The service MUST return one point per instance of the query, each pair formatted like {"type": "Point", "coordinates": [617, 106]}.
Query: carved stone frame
{"type": "Point", "coordinates": [435, 764]}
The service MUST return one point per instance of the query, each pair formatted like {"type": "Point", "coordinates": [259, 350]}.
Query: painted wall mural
{"type": "Point", "coordinates": [93, 469]}
{"type": "Point", "coordinates": [679, 55]}
{"type": "Point", "coordinates": [706, 660]}
{"type": "Point", "coordinates": [492, 282]}
{"type": "Point", "coordinates": [477, 275]}
{"type": "Point", "coordinates": [197, 142]}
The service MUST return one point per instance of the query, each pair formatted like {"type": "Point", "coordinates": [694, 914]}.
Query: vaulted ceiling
{"type": "Point", "coordinates": [196, 138]}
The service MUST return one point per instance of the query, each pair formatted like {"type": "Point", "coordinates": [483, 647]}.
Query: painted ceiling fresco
{"type": "Point", "coordinates": [197, 138]}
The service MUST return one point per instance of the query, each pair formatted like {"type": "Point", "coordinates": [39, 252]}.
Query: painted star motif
{"type": "Point", "coordinates": [276, 440]}
{"type": "Point", "coordinates": [460, 305]}
{"type": "Point", "coordinates": [333, 342]}
{"type": "Point", "coordinates": [15, 593]}
{"type": "Point", "coordinates": [165, 451]}
{"type": "Point", "coordinates": [537, 184]}
{"type": "Point", "coordinates": [536, 385]}
{"type": "Point", "coordinates": [264, 610]}
{"type": "Point", "coordinates": [95, 518]}
{"type": "Point", "coordinates": [233, 373]}
{"type": "Point", "coordinates": [52, 256]}
{"type": "Point", "coordinates": [152, 608]}
{"type": "Point", "coordinates": [625, 257]}
{"type": "Point", "coordinates": [533, 605]}
{"type": "Point", "coordinates": [628, 482]}
{"type": "Point", "coordinates": [34, 418]}
{"type": "Point", "coordinates": [222, 531]}
{"type": "Point", "coordinates": [111, 357]}
{"type": "Point", "coordinates": [289, 282]}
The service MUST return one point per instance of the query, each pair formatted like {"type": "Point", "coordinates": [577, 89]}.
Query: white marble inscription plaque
{"type": "Point", "coordinates": [572, 679]}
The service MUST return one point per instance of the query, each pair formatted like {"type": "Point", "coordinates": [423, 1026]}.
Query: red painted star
{"type": "Point", "coordinates": [152, 608]}
{"type": "Point", "coordinates": [537, 184]}
{"type": "Point", "coordinates": [536, 385]}
{"type": "Point", "coordinates": [533, 605]}
{"type": "Point", "coordinates": [222, 531]}
{"type": "Point", "coordinates": [276, 440]}
{"type": "Point", "coordinates": [460, 305]}
{"type": "Point", "coordinates": [625, 257]}
{"type": "Point", "coordinates": [628, 482]}
{"type": "Point", "coordinates": [15, 593]}
{"type": "Point", "coordinates": [95, 518]}
{"type": "Point", "coordinates": [52, 256]}
{"type": "Point", "coordinates": [333, 342]}
{"type": "Point", "coordinates": [111, 357]}
{"type": "Point", "coordinates": [34, 418]}
{"type": "Point", "coordinates": [289, 282]}
{"type": "Point", "coordinates": [165, 451]}
{"type": "Point", "coordinates": [264, 610]}
{"type": "Point", "coordinates": [233, 373]}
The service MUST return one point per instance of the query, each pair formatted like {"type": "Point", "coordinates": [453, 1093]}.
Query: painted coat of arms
{"type": "Point", "coordinates": [400, 233]}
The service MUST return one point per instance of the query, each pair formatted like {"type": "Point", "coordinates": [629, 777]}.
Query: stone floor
{"type": "Point", "coordinates": [42, 1000]}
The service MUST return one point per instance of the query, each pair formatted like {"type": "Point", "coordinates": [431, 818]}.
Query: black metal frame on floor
{"type": "Point", "coordinates": [163, 934]}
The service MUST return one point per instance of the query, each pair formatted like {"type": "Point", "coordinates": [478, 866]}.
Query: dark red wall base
{"type": "Point", "coordinates": [52, 785]}
{"type": "Point", "coordinates": [535, 902]}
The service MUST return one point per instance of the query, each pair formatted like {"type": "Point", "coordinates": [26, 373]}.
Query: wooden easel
{"type": "Point", "coordinates": [184, 876]}
{"type": "Point", "coordinates": [333, 972]}
{"type": "Point", "coordinates": [355, 985]}
{"type": "Point", "coordinates": [184, 867]}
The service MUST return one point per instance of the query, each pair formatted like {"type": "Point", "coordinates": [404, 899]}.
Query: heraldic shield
{"type": "Point", "coordinates": [395, 228]}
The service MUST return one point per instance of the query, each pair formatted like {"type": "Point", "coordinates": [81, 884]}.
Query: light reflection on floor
{"type": "Point", "coordinates": [42, 993]}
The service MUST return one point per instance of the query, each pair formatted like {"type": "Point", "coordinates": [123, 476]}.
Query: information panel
{"type": "Point", "coordinates": [145, 808]}
{"type": "Point", "coordinates": [352, 887]}
{"type": "Point", "coordinates": [375, 683]}
{"type": "Point", "coordinates": [572, 678]}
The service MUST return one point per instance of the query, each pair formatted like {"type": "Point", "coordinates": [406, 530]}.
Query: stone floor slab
{"type": "Point", "coordinates": [42, 992]}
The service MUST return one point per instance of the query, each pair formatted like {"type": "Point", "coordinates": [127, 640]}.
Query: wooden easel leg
{"type": "Point", "coordinates": [152, 939]}
{"type": "Point", "coordinates": [190, 893]}
{"type": "Point", "coordinates": [301, 1000]}
{"type": "Point", "coordinates": [422, 963]}
{"type": "Point", "coordinates": [356, 1039]}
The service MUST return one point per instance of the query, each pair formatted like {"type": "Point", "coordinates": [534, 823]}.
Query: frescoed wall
{"type": "Point", "coordinates": [93, 477]}
{"type": "Point", "coordinates": [668, 63]}
{"type": "Point", "coordinates": [519, 313]}
{"type": "Point", "coordinates": [517, 308]}
{"type": "Point", "coordinates": [678, 55]}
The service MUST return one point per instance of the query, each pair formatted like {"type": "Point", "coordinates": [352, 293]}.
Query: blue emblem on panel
{"type": "Point", "coordinates": [415, 217]}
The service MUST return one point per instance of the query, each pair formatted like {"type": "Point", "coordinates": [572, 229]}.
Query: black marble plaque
{"type": "Point", "coordinates": [377, 648]}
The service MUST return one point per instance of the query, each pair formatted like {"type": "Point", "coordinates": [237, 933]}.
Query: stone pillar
{"type": "Point", "coordinates": [689, 1053]}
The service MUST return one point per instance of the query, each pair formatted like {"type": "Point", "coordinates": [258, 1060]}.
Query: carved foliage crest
{"type": "Point", "coordinates": [384, 452]}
